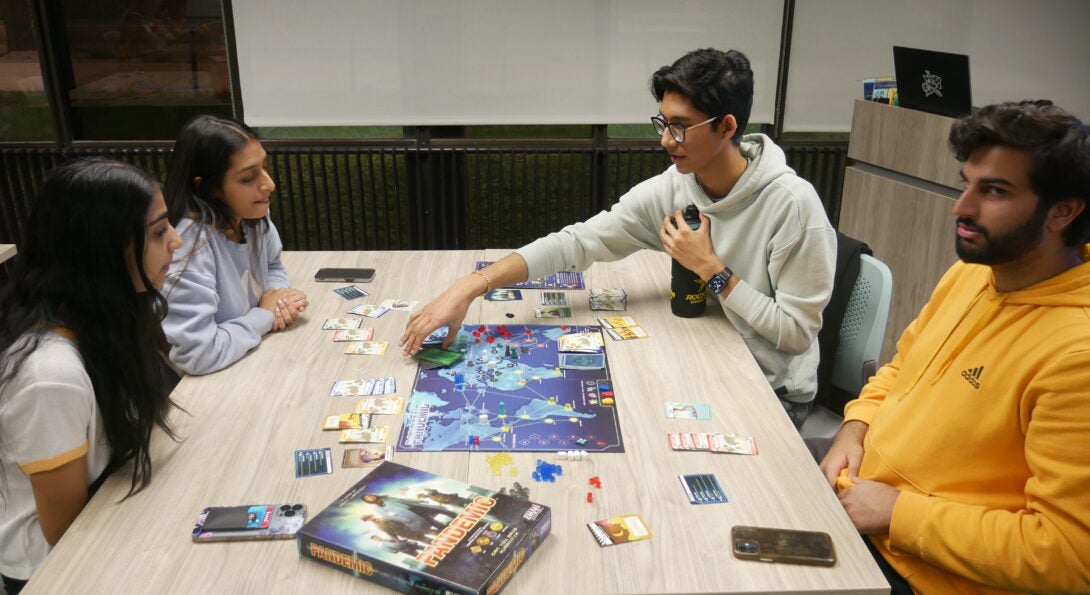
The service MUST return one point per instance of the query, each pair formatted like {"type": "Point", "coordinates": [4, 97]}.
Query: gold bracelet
{"type": "Point", "coordinates": [487, 281]}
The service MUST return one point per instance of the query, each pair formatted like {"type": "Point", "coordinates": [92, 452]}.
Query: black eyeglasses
{"type": "Point", "coordinates": [677, 131]}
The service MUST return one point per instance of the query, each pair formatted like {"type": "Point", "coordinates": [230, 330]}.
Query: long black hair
{"type": "Point", "coordinates": [203, 150]}
{"type": "Point", "coordinates": [88, 220]}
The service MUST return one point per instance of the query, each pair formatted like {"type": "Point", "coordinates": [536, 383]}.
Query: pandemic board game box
{"type": "Point", "coordinates": [420, 533]}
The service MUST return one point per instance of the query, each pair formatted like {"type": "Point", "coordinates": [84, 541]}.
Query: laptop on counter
{"type": "Point", "coordinates": [935, 82]}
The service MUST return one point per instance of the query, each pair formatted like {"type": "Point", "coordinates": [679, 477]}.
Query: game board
{"type": "Point", "coordinates": [510, 394]}
{"type": "Point", "coordinates": [561, 280]}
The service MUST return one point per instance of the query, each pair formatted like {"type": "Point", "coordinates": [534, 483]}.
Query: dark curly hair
{"type": "Point", "coordinates": [1058, 141]}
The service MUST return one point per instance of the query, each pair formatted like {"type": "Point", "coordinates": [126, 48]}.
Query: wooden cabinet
{"type": "Point", "coordinates": [898, 197]}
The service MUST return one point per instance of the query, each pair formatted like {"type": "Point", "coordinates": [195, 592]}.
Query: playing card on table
{"type": "Point", "coordinates": [341, 324]}
{"type": "Point", "coordinates": [401, 305]}
{"type": "Point", "coordinates": [733, 444]}
{"type": "Point", "coordinates": [367, 348]}
{"type": "Point", "coordinates": [590, 342]}
{"type": "Point", "coordinates": [381, 405]}
{"type": "Point", "coordinates": [372, 434]}
{"type": "Point", "coordinates": [354, 334]}
{"type": "Point", "coordinates": [346, 421]}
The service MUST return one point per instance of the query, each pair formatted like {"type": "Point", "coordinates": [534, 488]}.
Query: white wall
{"type": "Point", "coordinates": [420, 62]}
{"type": "Point", "coordinates": [1017, 50]}
{"type": "Point", "coordinates": [406, 62]}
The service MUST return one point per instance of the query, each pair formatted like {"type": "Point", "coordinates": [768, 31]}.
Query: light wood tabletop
{"type": "Point", "coordinates": [7, 251]}
{"type": "Point", "coordinates": [243, 425]}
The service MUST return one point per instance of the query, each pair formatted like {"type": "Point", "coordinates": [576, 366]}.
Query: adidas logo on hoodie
{"type": "Point", "coordinates": [973, 376]}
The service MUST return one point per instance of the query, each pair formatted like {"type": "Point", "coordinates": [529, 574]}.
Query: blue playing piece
{"type": "Point", "coordinates": [546, 472]}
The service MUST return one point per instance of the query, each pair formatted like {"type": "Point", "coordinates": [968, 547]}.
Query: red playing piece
{"type": "Point", "coordinates": [491, 339]}
{"type": "Point", "coordinates": [476, 340]}
{"type": "Point", "coordinates": [529, 332]}
{"type": "Point", "coordinates": [563, 327]}
{"type": "Point", "coordinates": [590, 497]}
{"type": "Point", "coordinates": [482, 328]}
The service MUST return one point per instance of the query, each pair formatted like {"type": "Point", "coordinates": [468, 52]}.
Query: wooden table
{"type": "Point", "coordinates": [7, 251]}
{"type": "Point", "coordinates": [244, 423]}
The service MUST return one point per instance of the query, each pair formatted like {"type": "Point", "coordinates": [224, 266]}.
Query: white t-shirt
{"type": "Point", "coordinates": [48, 417]}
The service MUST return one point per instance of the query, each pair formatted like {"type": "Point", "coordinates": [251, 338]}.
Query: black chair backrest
{"type": "Point", "coordinates": [847, 271]}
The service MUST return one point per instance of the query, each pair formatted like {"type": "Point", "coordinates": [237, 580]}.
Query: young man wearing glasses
{"type": "Point", "coordinates": [764, 246]}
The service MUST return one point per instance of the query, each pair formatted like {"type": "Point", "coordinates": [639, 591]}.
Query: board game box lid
{"type": "Point", "coordinates": [416, 531]}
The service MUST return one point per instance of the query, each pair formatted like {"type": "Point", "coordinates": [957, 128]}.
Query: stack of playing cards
{"type": "Point", "coordinates": [728, 443]}
{"type": "Point", "coordinates": [434, 357]}
{"type": "Point", "coordinates": [608, 299]}
{"type": "Point", "coordinates": [370, 310]}
{"type": "Point", "coordinates": [590, 342]}
{"type": "Point", "coordinates": [351, 292]}
{"type": "Point", "coordinates": [622, 328]}
{"type": "Point", "coordinates": [702, 488]}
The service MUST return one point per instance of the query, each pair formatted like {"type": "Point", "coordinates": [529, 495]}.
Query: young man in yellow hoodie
{"type": "Point", "coordinates": [966, 460]}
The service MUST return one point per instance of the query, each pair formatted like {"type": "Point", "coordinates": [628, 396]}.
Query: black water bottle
{"type": "Point", "coordinates": [687, 295]}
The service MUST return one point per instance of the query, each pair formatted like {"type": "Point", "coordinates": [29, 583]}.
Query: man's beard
{"type": "Point", "coordinates": [1008, 247]}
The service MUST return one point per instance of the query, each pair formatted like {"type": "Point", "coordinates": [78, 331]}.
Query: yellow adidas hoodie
{"type": "Point", "coordinates": [982, 420]}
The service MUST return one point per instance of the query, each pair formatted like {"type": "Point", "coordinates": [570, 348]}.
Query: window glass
{"type": "Point", "coordinates": [24, 109]}
{"type": "Point", "coordinates": [141, 68]}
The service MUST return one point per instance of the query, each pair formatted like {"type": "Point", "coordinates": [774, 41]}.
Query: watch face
{"type": "Point", "coordinates": [717, 283]}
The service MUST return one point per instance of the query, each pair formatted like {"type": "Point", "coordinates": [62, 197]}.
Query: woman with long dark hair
{"type": "Point", "coordinates": [228, 288]}
{"type": "Point", "coordinates": [82, 381]}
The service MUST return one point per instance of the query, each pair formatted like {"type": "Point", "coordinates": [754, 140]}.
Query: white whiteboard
{"type": "Point", "coordinates": [435, 62]}
{"type": "Point", "coordinates": [1017, 50]}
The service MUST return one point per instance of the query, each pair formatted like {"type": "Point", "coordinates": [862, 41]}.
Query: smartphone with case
{"type": "Point", "coordinates": [252, 521]}
{"type": "Point", "coordinates": [789, 546]}
{"type": "Point", "coordinates": [345, 275]}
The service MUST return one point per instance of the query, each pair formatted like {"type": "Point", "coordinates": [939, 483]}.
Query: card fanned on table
{"type": "Point", "coordinates": [619, 529]}
{"type": "Point", "coordinates": [413, 531]}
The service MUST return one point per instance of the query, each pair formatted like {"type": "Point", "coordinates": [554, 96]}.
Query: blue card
{"type": "Point", "coordinates": [702, 488]}
{"type": "Point", "coordinates": [313, 461]}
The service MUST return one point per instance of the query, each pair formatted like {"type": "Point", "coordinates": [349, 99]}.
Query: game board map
{"type": "Point", "coordinates": [417, 532]}
{"type": "Point", "coordinates": [510, 392]}
{"type": "Point", "coordinates": [560, 280]}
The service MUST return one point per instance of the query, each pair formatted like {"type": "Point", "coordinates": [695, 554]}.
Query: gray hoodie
{"type": "Point", "coordinates": [771, 230]}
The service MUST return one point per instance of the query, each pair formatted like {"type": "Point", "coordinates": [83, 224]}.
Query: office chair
{"type": "Point", "coordinates": [861, 333]}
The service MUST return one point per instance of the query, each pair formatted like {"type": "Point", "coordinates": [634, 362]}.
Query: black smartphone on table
{"type": "Point", "coordinates": [345, 274]}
